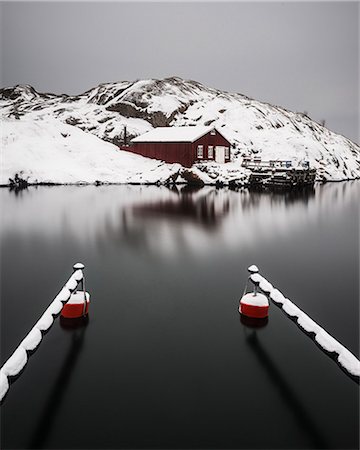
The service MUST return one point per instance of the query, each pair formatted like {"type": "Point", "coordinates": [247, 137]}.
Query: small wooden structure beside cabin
{"type": "Point", "coordinates": [184, 145]}
{"type": "Point", "coordinates": [278, 173]}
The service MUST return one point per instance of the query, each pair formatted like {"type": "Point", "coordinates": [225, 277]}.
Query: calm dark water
{"type": "Point", "coordinates": [165, 361]}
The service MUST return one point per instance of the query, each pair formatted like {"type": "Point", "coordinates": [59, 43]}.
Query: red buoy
{"type": "Point", "coordinates": [254, 305]}
{"type": "Point", "coordinates": [76, 307]}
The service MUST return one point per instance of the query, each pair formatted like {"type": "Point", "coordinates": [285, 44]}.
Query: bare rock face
{"type": "Point", "coordinates": [126, 110]}
{"type": "Point", "coordinates": [157, 118]}
{"type": "Point", "coordinates": [191, 178]}
{"type": "Point", "coordinates": [18, 92]}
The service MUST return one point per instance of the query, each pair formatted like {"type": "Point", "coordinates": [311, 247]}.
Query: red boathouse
{"type": "Point", "coordinates": [184, 145]}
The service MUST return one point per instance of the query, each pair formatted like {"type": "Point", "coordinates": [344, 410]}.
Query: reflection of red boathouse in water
{"type": "Point", "coordinates": [207, 209]}
{"type": "Point", "coordinates": [184, 145]}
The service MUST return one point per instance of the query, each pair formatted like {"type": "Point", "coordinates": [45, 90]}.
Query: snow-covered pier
{"type": "Point", "coordinates": [17, 361]}
{"type": "Point", "coordinates": [280, 173]}
{"type": "Point", "coordinates": [327, 343]}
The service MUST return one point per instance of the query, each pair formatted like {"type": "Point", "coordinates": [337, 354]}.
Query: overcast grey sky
{"type": "Point", "coordinates": [303, 56]}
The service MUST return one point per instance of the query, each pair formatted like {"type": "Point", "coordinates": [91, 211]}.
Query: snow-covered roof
{"type": "Point", "coordinates": [173, 134]}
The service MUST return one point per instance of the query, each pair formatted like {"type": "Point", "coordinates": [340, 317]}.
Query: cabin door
{"type": "Point", "coordinates": [220, 154]}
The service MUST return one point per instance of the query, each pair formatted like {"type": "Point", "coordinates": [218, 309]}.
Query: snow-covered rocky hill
{"type": "Point", "coordinates": [62, 126]}
{"type": "Point", "coordinates": [49, 151]}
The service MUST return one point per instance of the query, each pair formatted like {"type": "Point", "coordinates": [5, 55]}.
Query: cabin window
{"type": "Point", "coordinates": [212, 132]}
{"type": "Point", "coordinates": [227, 152]}
{"type": "Point", "coordinates": [210, 152]}
{"type": "Point", "coordinates": [200, 151]}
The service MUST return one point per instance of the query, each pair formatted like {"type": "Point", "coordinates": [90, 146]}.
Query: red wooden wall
{"type": "Point", "coordinates": [184, 153]}
{"type": "Point", "coordinates": [207, 140]}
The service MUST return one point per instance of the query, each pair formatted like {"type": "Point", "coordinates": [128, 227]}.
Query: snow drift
{"type": "Point", "coordinates": [49, 151]}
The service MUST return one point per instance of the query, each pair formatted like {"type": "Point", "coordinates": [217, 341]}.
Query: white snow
{"type": "Point", "coordinates": [308, 324]}
{"type": "Point", "coordinates": [32, 340]}
{"type": "Point", "coordinates": [291, 309]}
{"type": "Point", "coordinates": [19, 358]}
{"type": "Point", "coordinates": [327, 342]}
{"type": "Point", "coordinates": [74, 280]}
{"type": "Point", "coordinates": [72, 283]}
{"type": "Point", "coordinates": [16, 362]}
{"type": "Point", "coordinates": [78, 274]}
{"type": "Point", "coordinates": [345, 358]}
{"type": "Point", "coordinates": [49, 151]}
{"type": "Point", "coordinates": [78, 298]}
{"type": "Point", "coordinates": [55, 307]}
{"type": "Point", "coordinates": [63, 295]}
{"type": "Point", "coordinates": [253, 268]}
{"type": "Point", "coordinates": [349, 361]}
{"type": "Point", "coordinates": [173, 134]}
{"type": "Point", "coordinates": [212, 172]}
{"type": "Point", "coordinates": [266, 286]}
{"type": "Point", "coordinates": [253, 127]}
{"type": "Point", "coordinates": [277, 296]}
{"type": "Point", "coordinates": [4, 384]}
{"type": "Point", "coordinates": [45, 321]}
{"type": "Point", "coordinates": [254, 300]}
{"type": "Point", "coordinates": [256, 277]}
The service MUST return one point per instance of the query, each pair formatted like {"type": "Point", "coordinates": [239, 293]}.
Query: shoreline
{"type": "Point", "coordinates": [230, 185]}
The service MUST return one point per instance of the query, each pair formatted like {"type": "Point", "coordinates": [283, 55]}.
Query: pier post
{"type": "Point", "coordinates": [80, 266]}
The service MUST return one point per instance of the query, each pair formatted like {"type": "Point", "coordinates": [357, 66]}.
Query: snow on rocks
{"type": "Point", "coordinates": [49, 151]}
{"type": "Point", "coordinates": [211, 173]}
{"type": "Point", "coordinates": [254, 128]}
{"type": "Point", "coordinates": [328, 343]}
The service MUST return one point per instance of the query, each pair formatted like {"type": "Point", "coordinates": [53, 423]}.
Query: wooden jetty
{"type": "Point", "coordinates": [278, 173]}
{"type": "Point", "coordinates": [15, 365]}
{"type": "Point", "coordinates": [347, 361]}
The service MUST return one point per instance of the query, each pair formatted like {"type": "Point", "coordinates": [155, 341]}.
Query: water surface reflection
{"type": "Point", "coordinates": [303, 415]}
{"type": "Point", "coordinates": [133, 214]}
{"type": "Point", "coordinates": [76, 329]}
{"type": "Point", "coordinates": [166, 362]}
